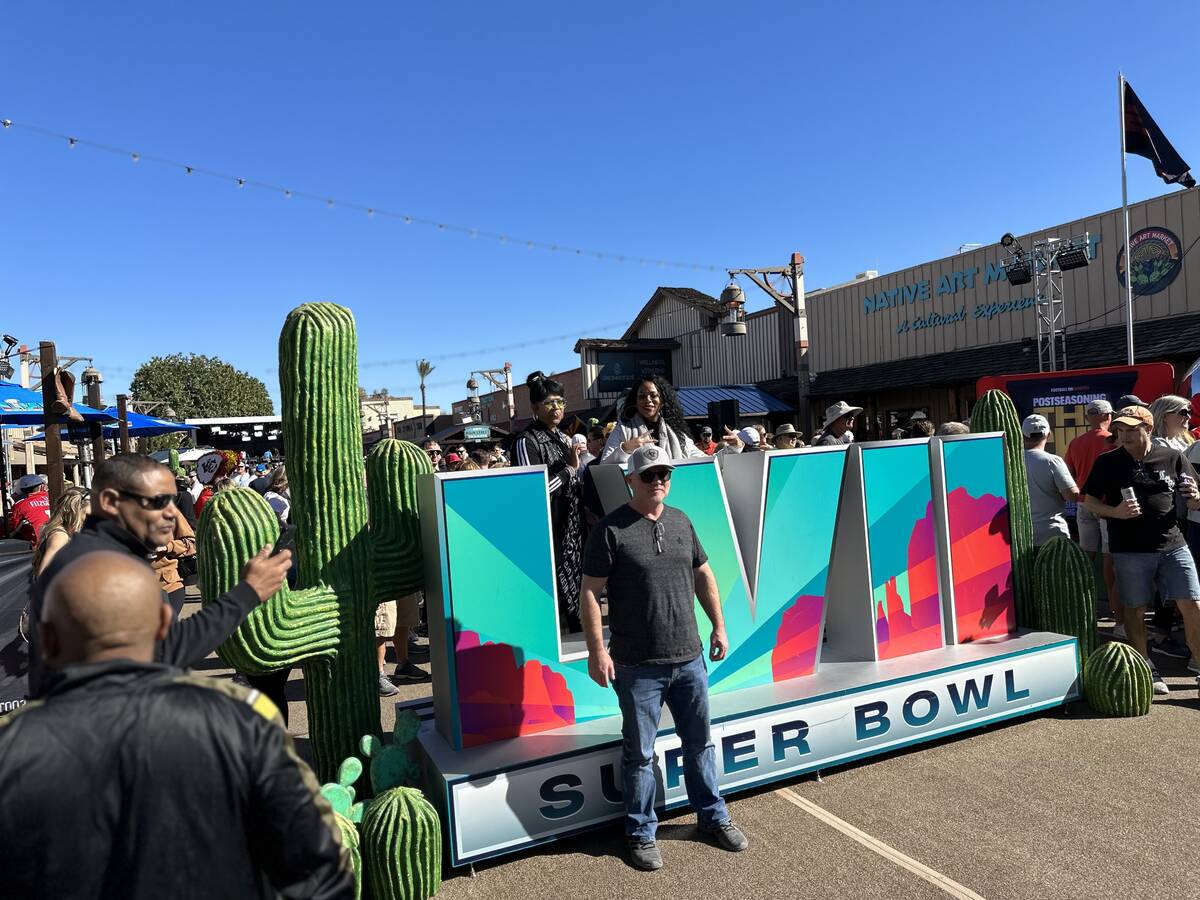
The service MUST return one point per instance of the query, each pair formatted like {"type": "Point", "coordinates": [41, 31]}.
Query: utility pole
{"type": "Point", "coordinates": [54, 459]}
{"type": "Point", "coordinates": [123, 419]}
{"type": "Point", "coordinates": [92, 381]}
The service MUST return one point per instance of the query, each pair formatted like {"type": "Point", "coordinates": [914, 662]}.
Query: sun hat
{"type": "Point", "coordinates": [839, 409]}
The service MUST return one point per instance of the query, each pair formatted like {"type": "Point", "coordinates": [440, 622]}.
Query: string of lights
{"type": "Point", "coordinates": [372, 211]}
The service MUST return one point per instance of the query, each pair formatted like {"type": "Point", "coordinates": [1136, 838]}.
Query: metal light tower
{"type": "Point", "coordinates": [1043, 264]}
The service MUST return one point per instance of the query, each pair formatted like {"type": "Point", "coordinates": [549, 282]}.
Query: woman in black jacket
{"type": "Point", "coordinates": [541, 443]}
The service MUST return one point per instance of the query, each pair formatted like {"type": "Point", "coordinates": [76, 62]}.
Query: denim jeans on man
{"type": "Point", "coordinates": [641, 691]}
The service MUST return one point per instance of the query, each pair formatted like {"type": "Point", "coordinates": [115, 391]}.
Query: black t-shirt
{"type": "Point", "coordinates": [651, 584]}
{"type": "Point", "coordinates": [1153, 480]}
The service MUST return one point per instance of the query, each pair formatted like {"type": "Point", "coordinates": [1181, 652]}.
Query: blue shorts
{"type": "Point", "coordinates": [1173, 572]}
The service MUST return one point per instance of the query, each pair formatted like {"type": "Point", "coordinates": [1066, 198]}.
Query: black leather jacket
{"type": "Point", "coordinates": [136, 780]}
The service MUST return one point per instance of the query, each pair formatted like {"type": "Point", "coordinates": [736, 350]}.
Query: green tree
{"type": "Point", "coordinates": [196, 386]}
{"type": "Point", "coordinates": [423, 370]}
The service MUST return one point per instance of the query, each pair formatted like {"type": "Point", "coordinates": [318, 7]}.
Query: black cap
{"type": "Point", "coordinates": [1130, 400]}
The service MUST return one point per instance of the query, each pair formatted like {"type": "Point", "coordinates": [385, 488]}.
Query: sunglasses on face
{"type": "Point", "coordinates": [653, 397]}
{"type": "Point", "coordinates": [433, 453]}
{"type": "Point", "coordinates": [1183, 412]}
{"type": "Point", "coordinates": [555, 403]}
{"type": "Point", "coordinates": [653, 475]}
{"type": "Point", "coordinates": [158, 501]}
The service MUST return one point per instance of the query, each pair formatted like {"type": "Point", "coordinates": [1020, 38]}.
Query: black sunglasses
{"type": "Point", "coordinates": [158, 501]}
{"type": "Point", "coordinates": [652, 475]}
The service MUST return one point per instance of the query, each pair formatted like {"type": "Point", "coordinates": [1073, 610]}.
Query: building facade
{"type": "Point", "coordinates": [918, 339]}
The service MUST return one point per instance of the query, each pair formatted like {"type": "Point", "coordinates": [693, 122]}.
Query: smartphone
{"type": "Point", "coordinates": [287, 541]}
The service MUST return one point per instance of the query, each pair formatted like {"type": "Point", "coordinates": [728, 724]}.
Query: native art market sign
{"type": "Point", "coordinates": [949, 285]}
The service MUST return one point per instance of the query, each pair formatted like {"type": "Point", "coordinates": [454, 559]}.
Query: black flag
{"type": "Point", "coordinates": [1144, 138]}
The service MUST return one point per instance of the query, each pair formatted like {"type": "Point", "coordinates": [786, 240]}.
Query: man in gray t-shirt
{"type": "Point", "coordinates": [1050, 483]}
{"type": "Point", "coordinates": [649, 558]}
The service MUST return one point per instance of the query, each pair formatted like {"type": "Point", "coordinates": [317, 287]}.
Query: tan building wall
{"type": "Point", "coordinates": [493, 406]}
{"type": "Point", "coordinates": [898, 316]}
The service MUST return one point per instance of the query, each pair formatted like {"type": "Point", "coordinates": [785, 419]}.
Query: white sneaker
{"type": "Point", "coordinates": [1156, 682]}
{"type": "Point", "coordinates": [1119, 632]}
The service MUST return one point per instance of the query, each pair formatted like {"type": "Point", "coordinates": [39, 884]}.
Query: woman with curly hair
{"type": "Point", "coordinates": [543, 444]}
{"type": "Point", "coordinates": [651, 414]}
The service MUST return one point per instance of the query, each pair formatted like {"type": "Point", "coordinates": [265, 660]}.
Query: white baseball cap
{"type": "Point", "coordinates": [651, 456]}
{"type": "Point", "coordinates": [1035, 424]}
{"type": "Point", "coordinates": [1099, 408]}
{"type": "Point", "coordinates": [750, 436]}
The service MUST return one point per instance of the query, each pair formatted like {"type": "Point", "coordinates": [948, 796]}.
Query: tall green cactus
{"type": "Point", "coordinates": [392, 470]}
{"type": "Point", "coordinates": [1066, 592]}
{"type": "Point", "coordinates": [994, 411]}
{"type": "Point", "coordinates": [322, 435]}
{"type": "Point", "coordinates": [291, 627]}
{"type": "Point", "coordinates": [402, 846]}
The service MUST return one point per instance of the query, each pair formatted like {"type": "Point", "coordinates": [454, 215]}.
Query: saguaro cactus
{"type": "Point", "coordinates": [994, 411]}
{"type": "Point", "coordinates": [291, 627]}
{"type": "Point", "coordinates": [329, 626]}
{"type": "Point", "coordinates": [1066, 592]}
{"type": "Point", "coordinates": [392, 470]}
{"type": "Point", "coordinates": [322, 435]}
{"type": "Point", "coordinates": [402, 846]}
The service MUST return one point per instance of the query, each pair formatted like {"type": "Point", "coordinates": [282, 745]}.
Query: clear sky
{"type": "Point", "coordinates": [862, 135]}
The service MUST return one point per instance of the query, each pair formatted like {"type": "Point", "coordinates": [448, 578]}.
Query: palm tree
{"type": "Point", "coordinates": [423, 370]}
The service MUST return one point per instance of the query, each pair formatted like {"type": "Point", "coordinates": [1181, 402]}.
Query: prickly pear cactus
{"type": "Point", "coordinates": [291, 627]}
{"type": "Point", "coordinates": [396, 765]}
{"type": "Point", "coordinates": [392, 470]}
{"type": "Point", "coordinates": [994, 411]}
{"type": "Point", "coordinates": [350, 840]}
{"type": "Point", "coordinates": [402, 846]}
{"type": "Point", "coordinates": [1066, 592]}
{"type": "Point", "coordinates": [340, 794]}
{"type": "Point", "coordinates": [1117, 682]}
{"type": "Point", "coordinates": [173, 461]}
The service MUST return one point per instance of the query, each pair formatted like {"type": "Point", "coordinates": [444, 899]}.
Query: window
{"type": "Point", "coordinates": [694, 349]}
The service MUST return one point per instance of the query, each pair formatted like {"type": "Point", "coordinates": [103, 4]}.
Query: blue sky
{"type": "Point", "coordinates": [862, 135]}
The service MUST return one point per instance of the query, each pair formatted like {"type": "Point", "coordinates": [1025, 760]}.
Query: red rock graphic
{"type": "Point", "coordinates": [799, 635]}
{"type": "Point", "coordinates": [981, 561]}
{"type": "Point", "coordinates": [898, 633]}
{"type": "Point", "coordinates": [498, 699]}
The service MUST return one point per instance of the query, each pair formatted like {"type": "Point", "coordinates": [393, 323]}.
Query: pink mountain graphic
{"type": "Point", "coordinates": [981, 563]}
{"type": "Point", "coordinates": [899, 633]}
{"type": "Point", "coordinates": [796, 642]}
{"type": "Point", "coordinates": [498, 699]}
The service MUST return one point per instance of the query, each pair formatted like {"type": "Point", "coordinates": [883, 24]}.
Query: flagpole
{"type": "Point", "coordinates": [1125, 217]}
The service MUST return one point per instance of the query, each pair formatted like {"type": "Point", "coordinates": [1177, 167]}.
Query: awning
{"type": "Point", "coordinates": [139, 426]}
{"type": "Point", "coordinates": [752, 400]}
{"type": "Point", "coordinates": [21, 407]}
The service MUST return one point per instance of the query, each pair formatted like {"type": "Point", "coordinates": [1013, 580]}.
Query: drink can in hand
{"type": "Point", "coordinates": [1128, 493]}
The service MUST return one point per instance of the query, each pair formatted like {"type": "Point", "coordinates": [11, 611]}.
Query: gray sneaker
{"type": "Point", "coordinates": [645, 856]}
{"type": "Point", "coordinates": [386, 688]}
{"type": "Point", "coordinates": [728, 836]}
{"type": "Point", "coordinates": [407, 673]}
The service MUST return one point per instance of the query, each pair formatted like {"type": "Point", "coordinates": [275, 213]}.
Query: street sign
{"type": "Point", "coordinates": [477, 433]}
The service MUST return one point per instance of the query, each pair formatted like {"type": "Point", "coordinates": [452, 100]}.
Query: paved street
{"type": "Point", "coordinates": [1056, 805]}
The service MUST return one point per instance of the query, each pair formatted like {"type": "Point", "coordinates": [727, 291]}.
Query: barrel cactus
{"type": "Point", "coordinates": [1066, 592]}
{"type": "Point", "coordinates": [392, 470]}
{"type": "Point", "coordinates": [1117, 682]}
{"type": "Point", "coordinates": [402, 846]}
{"type": "Point", "coordinates": [350, 840]}
{"type": "Point", "coordinates": [291, 627]}
{"type": "Point", "coordinates": [994, 411]}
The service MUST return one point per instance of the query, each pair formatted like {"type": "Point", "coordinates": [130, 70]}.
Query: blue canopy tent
{"type": "Point", "coordinates": [21, 407]}
{"type": "Point", "coordinates": [139, 426]}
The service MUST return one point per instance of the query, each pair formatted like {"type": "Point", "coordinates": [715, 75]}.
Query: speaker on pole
{"type": "Point", "coordinates": [723, 414]}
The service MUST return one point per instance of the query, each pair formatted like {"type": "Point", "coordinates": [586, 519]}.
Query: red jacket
{"type": "Point", "coordinates": [28, 516]}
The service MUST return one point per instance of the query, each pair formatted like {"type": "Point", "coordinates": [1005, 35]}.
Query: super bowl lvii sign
{"type": "Point", "coordinates": [868, 599]}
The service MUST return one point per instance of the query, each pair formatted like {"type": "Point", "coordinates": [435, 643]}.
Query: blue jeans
{"type": "Point", "coordinates": [641, 691]}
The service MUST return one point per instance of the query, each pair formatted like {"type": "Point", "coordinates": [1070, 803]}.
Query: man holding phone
{"type": "Point", "coordinates": [648, 556]}
{"type": "Point", "coordinates": [1134, 488]}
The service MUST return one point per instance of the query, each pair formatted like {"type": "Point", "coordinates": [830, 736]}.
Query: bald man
{"type": "Point", "coordinates": [132, 779]}
{"type": "Point", "coordinates": [133, 511]}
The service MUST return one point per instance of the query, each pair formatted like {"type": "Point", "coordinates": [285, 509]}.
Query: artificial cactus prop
{"type": "Point", "coordinates": [291, 627]}
{"type": "Point", "coordinates": [1117, 681]}
{"type": "Point", "coordinates": [392, 470]}
{"type": "Point", "coordinates": [395, 765]}
{"type": "Point", "coordinates": [402, 846]}
{"type": "Point", "coordinates": [1066, 592]}
{"type": "Point", "coordinates": [173, 461]}
{"type": "Point", "coordinates": [994, 411]}
{"type": "Point", "coordinates": [322, 431]}
{"type": "Point", "coordinates": [340, 794]}
{"type": "Point", "coordinates": [350, 840]}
